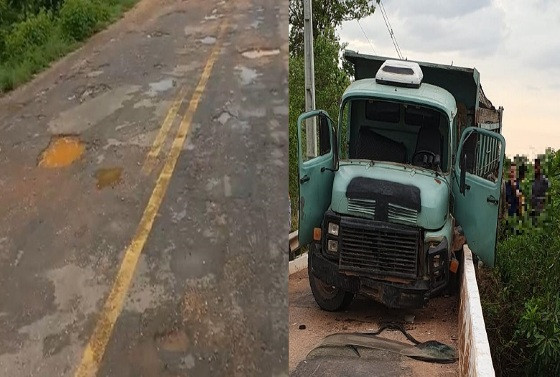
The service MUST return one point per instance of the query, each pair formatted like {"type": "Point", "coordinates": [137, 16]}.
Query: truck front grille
{"type": "Point", "coordinates": [371, 247]}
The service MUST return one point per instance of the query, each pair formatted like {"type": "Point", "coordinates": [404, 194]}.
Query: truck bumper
{"type": "Point", "coordinates": [393, 295]}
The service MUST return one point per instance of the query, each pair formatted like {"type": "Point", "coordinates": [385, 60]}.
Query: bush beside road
{"type": "Point", "coordinates": [34, 33]}
{"type": "Point", "coordinates": [520, 296]}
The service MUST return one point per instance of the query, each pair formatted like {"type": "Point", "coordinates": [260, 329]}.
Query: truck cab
{"type": "Point", "coordinates": [416, 154]}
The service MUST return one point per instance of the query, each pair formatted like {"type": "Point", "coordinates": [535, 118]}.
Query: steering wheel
{"type": "Point", "coordinates": [424, 158]}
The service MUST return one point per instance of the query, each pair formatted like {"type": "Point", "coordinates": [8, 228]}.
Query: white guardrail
{"type": "Point", "coordinates": [475, 359]}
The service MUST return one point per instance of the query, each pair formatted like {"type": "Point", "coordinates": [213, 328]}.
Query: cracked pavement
{"type": "Point", "coordinates": [208, 295]}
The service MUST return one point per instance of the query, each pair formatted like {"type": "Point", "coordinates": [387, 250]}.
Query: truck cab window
{"type": "Point", "coordinates": [483, 156]}
{"type": "Point", "coordinates": [315, 137]}
{"type": "Point", "coordinates": [382, 111]}
{"type": "Point", "coordinates": [398, 132]}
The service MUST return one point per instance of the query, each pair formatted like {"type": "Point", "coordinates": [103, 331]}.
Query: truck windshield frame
{"type": "Point", "coordinates": [348, 140]}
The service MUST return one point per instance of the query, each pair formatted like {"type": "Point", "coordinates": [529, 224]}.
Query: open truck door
{"type": "Point", "coordinates": [477, 188]}
{"type": "Point", "coordinates": [315, 172]}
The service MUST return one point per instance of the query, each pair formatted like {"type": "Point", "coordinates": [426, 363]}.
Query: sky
{"type": "Point", "coordinates": [515, 45]}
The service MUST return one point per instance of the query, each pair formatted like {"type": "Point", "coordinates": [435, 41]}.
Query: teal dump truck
{"type": "Point", "coordinates": [415, 159]}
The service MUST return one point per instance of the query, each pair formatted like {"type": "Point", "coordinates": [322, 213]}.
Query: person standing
{"type": "Point", "coordinates": [521, 170]}
{"type": "Point", "coordinates": [513, 195]}
{"type": "Point", "coordinates": [539, 189]}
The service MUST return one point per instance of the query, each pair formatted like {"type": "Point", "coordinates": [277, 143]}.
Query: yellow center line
{"type": "Point", "coordinates": [150, 160]}
{"type": "Point", "coordinates": [95, 348]}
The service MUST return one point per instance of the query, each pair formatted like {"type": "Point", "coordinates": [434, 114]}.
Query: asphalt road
{"type": "Point", "coordinates": [160, 249]}
{"type": "Point", "coordinates": [309, 325]}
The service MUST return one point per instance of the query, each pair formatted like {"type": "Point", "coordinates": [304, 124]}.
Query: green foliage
{"type": "Point", "coordinates": [296, 85]}
{"type": "Point", "coordinates": [28, 34]}
{"type": "Point", "coordinates": [33, 33]}
{"type": "Point", "coordinates": [327, 15]}
{"type": "Point", "coordinates": [539, 326]}
{"type": "Point", "coordinates": [7, 14]}
{"type": "Point", "coordinates": [80, 18]}
{"type": "Point", "coordinates": [520, 297]}
{"type": "Point", "coordinates": [330, 78]}
{"type": "Point", "coordinates": [31, 7]}
{"type": "Point", "coordinates": [330, 82]}
{"type": "Point", "coordinates": [3, 36]}
{"type": "Point", "coordinates": [14, 73]}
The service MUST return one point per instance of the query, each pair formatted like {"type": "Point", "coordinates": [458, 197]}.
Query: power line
{"type": "Point", "coordinates": [389, 28]}
{"type": "Point", "coordinates": [365, 35]}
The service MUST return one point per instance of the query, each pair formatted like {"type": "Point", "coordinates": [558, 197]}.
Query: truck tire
{"type": "Point", "coordinates": [328, 297]}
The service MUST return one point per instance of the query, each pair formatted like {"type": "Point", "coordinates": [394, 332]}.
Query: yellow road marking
{"type": "Point", "coordinates": [150, 160]}
{"type": "Point", "coordinates": [95, 348]}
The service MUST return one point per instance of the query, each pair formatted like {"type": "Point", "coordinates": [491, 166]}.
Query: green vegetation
{"type": "Point", "coordinates": [33, 33]}
{"type": "Point", "coordinates": [520, 296]}
{"type": "Point", "coordinates": [330, 85]}
{"type": "Point", "coordinates": [327, 15]}
{"type": "Point", "coordinates": [331, 79]}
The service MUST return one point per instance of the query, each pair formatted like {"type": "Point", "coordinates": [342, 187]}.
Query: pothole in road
{"type": "Point", "coordinates": [223, 118]}
{"type": "Point", "coordinates": [259, 53]}
{"type": "Point", "coordinates": [208, 40]}
{"type": "Point", "coordinates": [255, 24]}
{"type": "Point", "coordinates": [162, 86]}
{"type": "Point", "coordinates": [84, 92]}
{"type": "Point", "coordinates": [108, 177]}
{"type": "Point", "coordinates": [62, 151]}
{"type": "Point", "coordinates": [158, 34]}
{"type": "Point", "coordinates": [173, 341]}
{"type": "Point", "coordinates": [247, 75]}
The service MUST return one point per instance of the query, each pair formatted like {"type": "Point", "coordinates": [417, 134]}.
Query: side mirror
{"type": "Point", "coordinates": [463, 167]}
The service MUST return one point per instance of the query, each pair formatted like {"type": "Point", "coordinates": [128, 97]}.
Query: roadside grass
{"type": "Point", "coordinates": [520, 296]}
{"type": "Point", "coordinates": [31, 45]}
{"type": "Point", "coordinates": [18, 71]}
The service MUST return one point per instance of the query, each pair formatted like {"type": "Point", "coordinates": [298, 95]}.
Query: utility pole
{"type": "Point", "coordinates": [310, 124]}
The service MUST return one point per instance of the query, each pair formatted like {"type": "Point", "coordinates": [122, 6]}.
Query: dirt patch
{"type": "Point", "coordinates": [437, 321]}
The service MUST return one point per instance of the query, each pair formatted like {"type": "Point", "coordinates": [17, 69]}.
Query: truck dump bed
{"type": "Point", "coordinates": [474, 109]}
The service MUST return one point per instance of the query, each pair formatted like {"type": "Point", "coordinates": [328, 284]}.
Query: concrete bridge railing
{"type": "Point", "coordinates": [475, 359]}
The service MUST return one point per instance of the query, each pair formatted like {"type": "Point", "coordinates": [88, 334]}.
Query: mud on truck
{"type": "Point", "coordinates": [418, 164]}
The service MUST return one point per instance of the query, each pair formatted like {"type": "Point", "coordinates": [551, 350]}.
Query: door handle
{"type": "Point", "coordinates": [492, 200]}
{"type": "Point", "coordinates": [304, 179]}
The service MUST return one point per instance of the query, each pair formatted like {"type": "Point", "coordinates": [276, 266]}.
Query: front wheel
{"type": "Point", "coordinates": [328, 297]}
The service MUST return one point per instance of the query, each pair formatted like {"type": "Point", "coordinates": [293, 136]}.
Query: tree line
{"type": "Point", "coordinates": [331, 75]}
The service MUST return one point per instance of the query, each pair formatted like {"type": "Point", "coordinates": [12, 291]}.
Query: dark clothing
{"type": "Point", "coordinates": [512, 199]}
{"type": "Point", "coordinates": [538, 193]}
